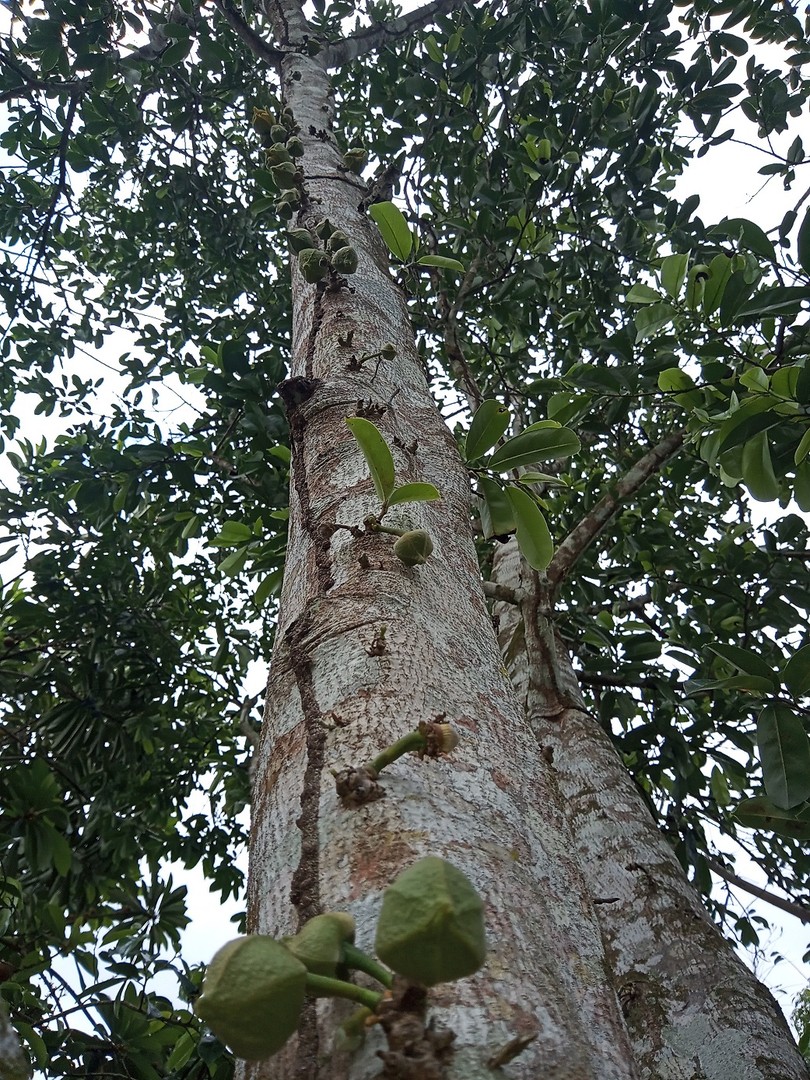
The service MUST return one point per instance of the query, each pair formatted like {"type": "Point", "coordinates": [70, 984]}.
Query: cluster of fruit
{"type": "Point", "coordinates": [315, 262]}
{"type": "Point", "coordinates": [430, 930]}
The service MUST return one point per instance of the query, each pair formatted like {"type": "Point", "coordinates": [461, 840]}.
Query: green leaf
{"type": "Point", "coordinates": [393, 228]}
{"type": "Point", "coordinates": [271, 586]}
{"type": "Point", "coordinates": [642, 294]}
{"type": "Point", "coordinates": [488, 425]}
{"type": "Point", "coordinates": [801, 486]}
{"type": "Point", "coordinates": [377, 454]}
{"type": "Point", "coordinates": [416, 492]}
{"type": "Point", "coordinates": [719, 274]}
{"type": "Point", "coordinates": [442, 261]}
{"type": "Point", "coordinates": [757, 469]}
{"type": "Point", "coordinates": [433, 50]}
{"type": "Point", "coordinates": [533, 537]}
{"type": "Point", "coordinates": [718, 785]}
{"type": "Point", "coordinates": [803, 449]}
{"type": "Point", "coordinates": [183, 1049]}
{"type": "Point", "coordinates": [534, 444]}
{"type": "Point", "coordinates": [803, 243]}
{"type": "Point", "coordinates": [761, 813]}
{"type": "Point", "coordinates": [175, 53]}
{"type": "Point", "coordinates": [676, 380]}
{"type": "Point", "coordinates": [744, 660]}
{"type": "Point", "coordinates": [796, 672]}
{"type": "Point", "coordinates": [673, 274]}
{"type": "Point", "coordinates": [650, 320]}
{"type": "Point", "coordinates": [749, 234]}
{"type": "Point", "coordinates": [750, 684]}
{"type": "Point", "coordinates": [784, 751]}
{"type": "Point", "coordinates": [192, 527]}
{"type": "Point", "coordinates": [497, 515]}
{"type": "Point", "coordinates": [231, 533]}
{"type": "Point", "coordinates": [234, 563]}
{"type": "Point", "coordinates": [61, 854]}
{"type": "Point", "coordinates": [780, 300]}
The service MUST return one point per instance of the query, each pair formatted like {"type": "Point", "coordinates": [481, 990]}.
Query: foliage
{"type": "Point", "coordinates": [549, 266]}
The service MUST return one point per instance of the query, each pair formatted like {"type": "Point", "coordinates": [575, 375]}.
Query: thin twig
{"type": "Point", "coordinates": [583, 534]}
{"type": "Point", "coordinates": [801, 911]}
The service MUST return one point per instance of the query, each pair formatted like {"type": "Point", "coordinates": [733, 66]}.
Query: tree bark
{"type": "Point", "coordinates": [365, 649]}
{"type": "Point", "coordinates": [692, 1008]}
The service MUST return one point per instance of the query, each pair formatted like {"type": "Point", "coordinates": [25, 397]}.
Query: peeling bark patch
{"type": "Point", "coordinates": [304, 890]}
{"type": "Point", "coordinates": [416, 1051]}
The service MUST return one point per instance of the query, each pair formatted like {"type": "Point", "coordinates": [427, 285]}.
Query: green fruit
{"type": "Point", "coordinates": [337, 240]}
{"type": "Point", "coordinates": [355, 159]}
{"type": "Point", "coordinates": [431, 926]}
{"type": "Point", "coordinates": [295, 146]}
{"type": "Point", "coordinates": [283, 174]}
{"type": "Point", "coordinates": [284, 209]}
{"type": "Point", "coordinates": [388, 351]}
{"type": "Point", "coordinates": [344, 260]}
{"type": "Point", "coordinates": [291, 195]}
{"type": "Point", "coordinates": [544, 151]}
{"type": "Point", "coordinates": [252, 995]}
{"type": "Point", "coordinates": [276, 155]}
{"type": "Point", "coordinates": [413, 548]}
{"type": "Point", "coordinates": [299, 239]}
{"type": "Point", "coordinates": [278, 133]}
{"type": "Point", "coordinates": [313, 264]}
{"type": "Point", "coordinates": [319, 943]}
{"type": "Point", "coordinates": [323, 230]}
{"type": "Point", "coordinates": [262, 121]}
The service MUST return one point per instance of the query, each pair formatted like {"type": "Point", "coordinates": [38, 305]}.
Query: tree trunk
{"type": "Point", "coordinates": [692, 1007]}
{"type": "Point", "coordinates": [366, 648]}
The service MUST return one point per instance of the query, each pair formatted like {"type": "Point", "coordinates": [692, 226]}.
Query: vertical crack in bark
{"type": "Point", "coordinates": [305, 884]}
{"type": "Point", "coordinates": [305, 893]}
{"type": "Point", "coordinates": [294, 392]}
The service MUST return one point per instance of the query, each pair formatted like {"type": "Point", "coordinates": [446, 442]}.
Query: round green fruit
{"type": "Point", "coordinates": [313, 264]}
{"type": "Point", "coordinates": [413, 548]}
{"type": "Point", "coordinates": [276, 155]}
{"type": "Point", "coordinates": [283, 174]}
{"type": "Point", "coordinates": [252, 996]}
{"type": "Point", "coordinates": [337, 240]}
{"type": "Point", "coordinates": [319, 943]}
{"type": "Point", "coordinates": [344, 260]}
{"type": "Point", "coordinates": [431, 926]}
{"type": "Point", "coordinates": [299, 239]}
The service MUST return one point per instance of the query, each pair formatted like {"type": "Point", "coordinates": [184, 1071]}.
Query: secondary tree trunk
{"type": "Point", "coordinates": [692, 1007]}
{"type": "Point", "coordinates": [366, 648]}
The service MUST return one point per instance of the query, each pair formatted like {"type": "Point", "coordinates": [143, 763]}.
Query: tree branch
{"type": "Point", "coordinates": [380, 34]}
{"type": "Point", "coordinates": [257, 45]}
{"type": "Point", "coordinates": [801, 911]}
{"type": "Point", "coordinates": [573, 546]}
{"type": "Point", "coordinates": [495, 591]}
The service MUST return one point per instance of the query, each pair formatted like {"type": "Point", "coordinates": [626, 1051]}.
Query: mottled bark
{"type": "Point", "coordinates": [336, 696]}
{"type": "Point", "coordinates": [693, 1009]}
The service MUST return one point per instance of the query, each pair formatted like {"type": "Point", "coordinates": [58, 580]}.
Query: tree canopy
{"type": "Point", "coordinates": [550, 264]}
